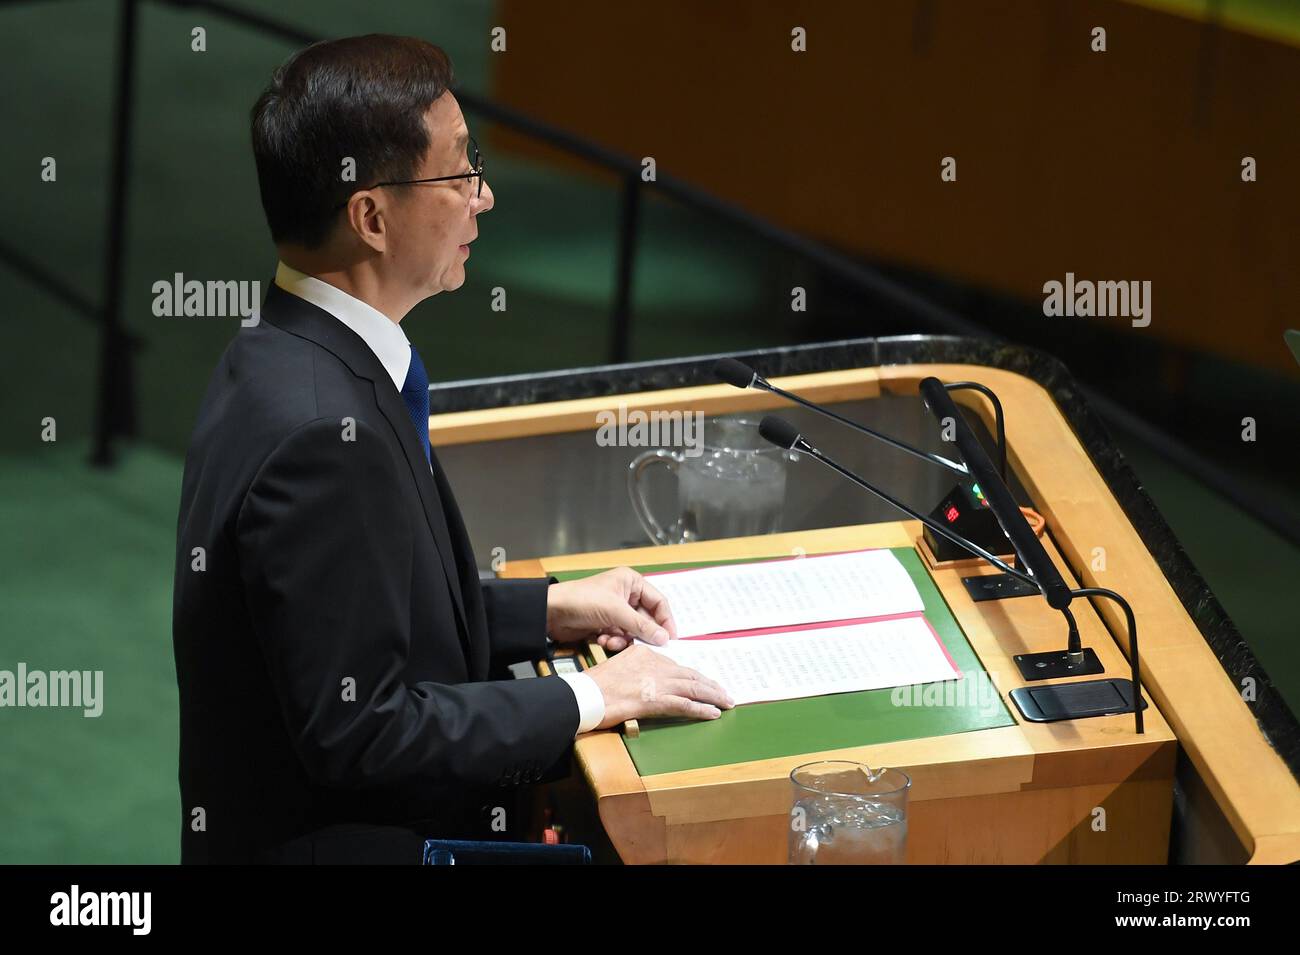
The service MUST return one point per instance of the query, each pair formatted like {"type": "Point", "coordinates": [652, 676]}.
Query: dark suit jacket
{"type": "Point", "coordinates": [334, 644]}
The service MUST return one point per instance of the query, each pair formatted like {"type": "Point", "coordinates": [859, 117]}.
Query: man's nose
{"type": "Point", "coordinates": [486, 200]}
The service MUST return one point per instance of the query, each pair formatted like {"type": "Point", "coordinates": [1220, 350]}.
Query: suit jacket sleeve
{"type": "Point", "coordinates": [325, 547]}
{"type": "Point", "coordinates": [516, 618]}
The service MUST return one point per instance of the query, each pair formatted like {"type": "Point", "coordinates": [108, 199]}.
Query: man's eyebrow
{"type": "Point", "coordinates": [462, 141]}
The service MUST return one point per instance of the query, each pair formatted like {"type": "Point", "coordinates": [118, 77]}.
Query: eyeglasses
{"type": "Point", "coordinates": [476, 172]}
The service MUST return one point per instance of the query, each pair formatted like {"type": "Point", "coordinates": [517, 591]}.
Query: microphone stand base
{"type": "Point", "coordinates": [1074, 701]}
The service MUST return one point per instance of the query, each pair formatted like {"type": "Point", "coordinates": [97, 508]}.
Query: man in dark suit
{"type": "Point", "coordinates": [338, 657]}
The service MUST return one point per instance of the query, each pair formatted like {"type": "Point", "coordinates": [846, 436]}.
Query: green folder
{"type": "Point", "coordinates": [838, 721]}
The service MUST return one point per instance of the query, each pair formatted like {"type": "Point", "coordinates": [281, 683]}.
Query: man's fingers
{"type": "Point", "coordinates": [612, 642]}
{"type": "Point", "coordinates": [680, 706]}
{"type": "Point", "coordinates": [645, 615]}
{"type": "Point", "coordinates": [646, 683]}
{"type": "Point", "coordinates": [702, 684]}
{"type": "Point", "coordinates": [701, 690]}
{"type": "Point", "coordinates": [636, 624]}
{"type": "Point", "coordinates": [685, 682]}
{"type": "Point", "coordinates": [657, 604]}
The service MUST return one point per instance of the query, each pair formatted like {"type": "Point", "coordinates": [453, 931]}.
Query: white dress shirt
{"type": "Point", "coordinates": [384, 336]}
{"type": "Point", "coordinates": [393, 349]}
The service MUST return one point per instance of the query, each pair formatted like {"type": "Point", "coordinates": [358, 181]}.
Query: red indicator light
{"type": "Point", "coordinates": [952, 514]}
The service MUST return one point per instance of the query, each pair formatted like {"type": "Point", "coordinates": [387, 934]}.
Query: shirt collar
{"type": "Point", "coordinates": [383, 335]}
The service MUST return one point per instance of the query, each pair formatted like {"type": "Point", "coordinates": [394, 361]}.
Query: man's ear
{"type": "Point", "coordinates": [366, 219]}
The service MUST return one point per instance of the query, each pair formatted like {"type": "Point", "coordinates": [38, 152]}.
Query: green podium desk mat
{"type": "Point", "coordinates": [839, 721]}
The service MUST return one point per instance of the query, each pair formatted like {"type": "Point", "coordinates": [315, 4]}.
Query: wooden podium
{"type": "Point", "coordinates": [1086, 791]}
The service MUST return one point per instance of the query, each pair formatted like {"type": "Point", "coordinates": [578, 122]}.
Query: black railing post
{"type": "Point", "coordinates": [115, 408]}
{"type": "Point", "coordinates": [620, 333]}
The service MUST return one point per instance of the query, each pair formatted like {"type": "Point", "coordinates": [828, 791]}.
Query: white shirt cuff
{"type": "Point", "coordinates": [591, 702]}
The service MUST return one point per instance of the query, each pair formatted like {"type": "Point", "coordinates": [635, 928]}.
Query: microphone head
{"type": "Point", "coordinates": [734, 373]}
{"type": "Point", "coordinates": [779, 431]}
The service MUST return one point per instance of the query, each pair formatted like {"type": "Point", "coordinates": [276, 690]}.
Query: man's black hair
{"type": "Point", "coordinates": [362, 98]}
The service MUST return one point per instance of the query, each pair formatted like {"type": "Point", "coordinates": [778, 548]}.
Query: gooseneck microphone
{"type": "Point", "coordinates": [1004, 507]}
{"type": "Point", "coordinates": [1131, 622]}
{"type": "Point", "coordinates": [783, 434]}
{"type": "Point", "coordinates": [737, 373]}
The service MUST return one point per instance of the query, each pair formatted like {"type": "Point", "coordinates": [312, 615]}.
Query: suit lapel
{"type": "Point", "coordinates": [301, 318]}
{"type": "Point", "coordinates": [471, 588]}
{"type": "Point", "coordinates": [393, 408]}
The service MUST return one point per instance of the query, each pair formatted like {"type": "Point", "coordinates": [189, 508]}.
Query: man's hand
{"type": "Point", "coordinates": [641, 682]}
{"type": "Point", "coordinates": [614, 608]}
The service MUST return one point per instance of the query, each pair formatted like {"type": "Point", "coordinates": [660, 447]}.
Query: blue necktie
{"type": "Point", "coordinates": [415, 392]}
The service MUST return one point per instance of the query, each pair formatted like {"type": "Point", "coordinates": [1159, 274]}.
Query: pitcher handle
{"type": "Point", "coordinates": [634, 471]}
